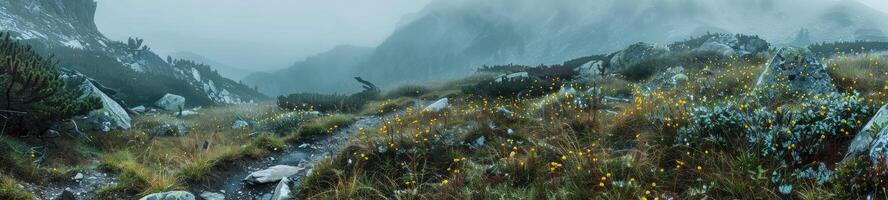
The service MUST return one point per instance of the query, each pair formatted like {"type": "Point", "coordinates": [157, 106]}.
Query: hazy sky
{"type": "Point", "coordinates": [258, 34]}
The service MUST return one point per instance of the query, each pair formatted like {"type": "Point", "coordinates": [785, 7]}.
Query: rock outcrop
{"type": "Point", "coordinates": [798, 71]}
{"type": "Point", "coordinates": [633, 55]}
{"type": "Point", "coordinates": [734, 45]}
{"type": "Point", "coordinates": [870, 140]}
{"type": "Point", "coordinates": [111, 116]}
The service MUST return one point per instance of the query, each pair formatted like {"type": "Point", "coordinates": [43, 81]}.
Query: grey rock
{"type": "Point", "coordinates": [679, 78]}
{"type": "Point", "coordinates": [272, 174]}
{"type": "Point", "coordinates": [879, 149]}
{"type": "Point", "coordinates": [173, 195]}
{"type": "Point", "coordinates": [212, 196]}
{"type": "Point", "coordinates": [734, 45]}
{"type": "Point", "coordinates": [501, 78]}
{"type": "Point", "coordinates": [186, 113]}
{"type": "Point", "coordinates": [865, 140]}
{"type": "Point", "coordinates": [438, 106]}
{"type": "Point", "coordinates": [720, 48]}
{"type": "Point", "coordinates": [139, 109]}
{"type": "Point", "coordinates": [633, 55]}
{"type": "Point", "coordinates": [171, 102]}
{"type": "Point", "coordinates": [282, 191]}
{"type": "Point", "coordinates": [567, 91]}
{"type": "Point", "coordinates": [800, 70]}
{"type": "Point", "coordinates": [111, 116]}
{"type": "Point", "coordinates": [240, 124]}
{"type": "Point", "coordinates": [479, 142]}
{"type": "Point", "coordinates": [177, 128]}
{"type": "Point", "coordinates": [78, 177]}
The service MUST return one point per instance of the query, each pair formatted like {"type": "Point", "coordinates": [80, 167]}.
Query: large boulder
{"type": "Point", "coordinates": [870, 139]}
{"type": "Point", "coordinates": [171, 102]}
{"type": "Point", "coordinates": [633, 55]}
{"type": "Point", "coordinates": [799, 71]}
{"type": "Point", "coordinates": [111, 116]}
{"type": "Point", "coordinates": [734, 45]}
{"type": "Point", "coordinates": [174, 195]}
{"type": "Point", "coordinates": [879, 149]}
{"type": "Point", "coordinates": [272, 174]}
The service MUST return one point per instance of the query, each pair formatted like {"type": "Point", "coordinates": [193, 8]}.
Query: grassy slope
{"type": "Point", "coordinates": [560, 151]}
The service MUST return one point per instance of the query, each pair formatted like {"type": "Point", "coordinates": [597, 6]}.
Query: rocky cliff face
{"type": "Point", "coordinates": [66, 28]}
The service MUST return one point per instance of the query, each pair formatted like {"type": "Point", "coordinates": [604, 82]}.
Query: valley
{"type": "Point", "coordinates": [456, 105]}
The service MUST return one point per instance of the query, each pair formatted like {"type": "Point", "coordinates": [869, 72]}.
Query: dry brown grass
{"type": "Point", "coordinates": [867, 75]}
{"type": "Point", "coordinates": [149, 164]}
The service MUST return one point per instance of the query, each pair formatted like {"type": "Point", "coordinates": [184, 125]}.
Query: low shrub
{"type": "Point", "coordinates": [796, 135]}
{"type": "Point", "coordinates": [510, 68]}
{"type": "Point", "coordinates": [381, 108]}
{"type": "Point", "coordinates": [285, 122]}
{"type": "Point", "coordinates": [859, 178]}
{"type": "Point", "coordinates": [34, 96]}
{"type": "Point", "coordinates": [407, 91]}
{"type": "Point", "coordinates": [689, 60]}
{"type": "Point", "coordinates": [849, 48]}
{"type": "Point", "coordinates": [328, 102]}
{"type": "Point", "coordinates": [511, 87]}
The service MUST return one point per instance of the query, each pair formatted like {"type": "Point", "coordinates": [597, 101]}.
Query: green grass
{"type": "Point", "coordinates": [560, 151]}
{"type": "Point", "coordinates": [380, 108]}
{"type": "Point", "coordinates": [407, 91]}
{"type": "Point", "coordinates": [9, 189]}
{"type": "Point", "coordinates": [324, 125]}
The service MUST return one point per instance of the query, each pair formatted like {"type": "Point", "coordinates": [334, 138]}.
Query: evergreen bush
{"type": "Point", "coordinates": [32, 95]}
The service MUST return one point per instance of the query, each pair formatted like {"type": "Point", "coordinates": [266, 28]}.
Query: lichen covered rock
{"type": "Point", "coordinates": [798, 71]}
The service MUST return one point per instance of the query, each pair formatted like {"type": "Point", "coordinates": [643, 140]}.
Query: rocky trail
{"type": "Point", "coordinates": [84, 185]}
{"type": "Point", "coordinates": [302, 156]}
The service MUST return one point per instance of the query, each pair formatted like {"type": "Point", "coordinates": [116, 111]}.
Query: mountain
{"type": "Point", "coordinates": [451, 38]}
{"type": "Point", "coordinates": [66, 29]}
{"type": "Point", "coordinates": [328, 72]}
{"type": "Point", "coordinates": [225, 70]}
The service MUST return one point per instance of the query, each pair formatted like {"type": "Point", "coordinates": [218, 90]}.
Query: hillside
{"type": "Point", "coordinates": [228, 71]}
{"type": "Point", "coordinates": [67, 29]}
{"type": "Point", "coordinates": [328, 72]}
{"type": "Point", "coordinates": [450, 39]}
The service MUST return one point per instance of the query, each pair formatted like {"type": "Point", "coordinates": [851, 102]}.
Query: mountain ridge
{"type": "Point", "coordinates": [449, 39]}
{"type": "Point", "coordinates": [66, 28]}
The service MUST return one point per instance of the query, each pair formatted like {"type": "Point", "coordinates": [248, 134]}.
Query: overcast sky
{"type": "Point", "coordinates": [256, 34]}
{"type": "Point", "coordinates": [878, 4]}
{"type": "Point", "coordinates": [260, 34]}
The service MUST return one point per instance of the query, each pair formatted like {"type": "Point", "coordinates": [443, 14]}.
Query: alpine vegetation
{"type": "Point", "coordinates": [463, 99]}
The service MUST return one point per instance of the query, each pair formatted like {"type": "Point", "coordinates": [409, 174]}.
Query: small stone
{"type": "Point", "coordinates": [212, 196]}
{"type": "Point", "coordinates": [78, 177]}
